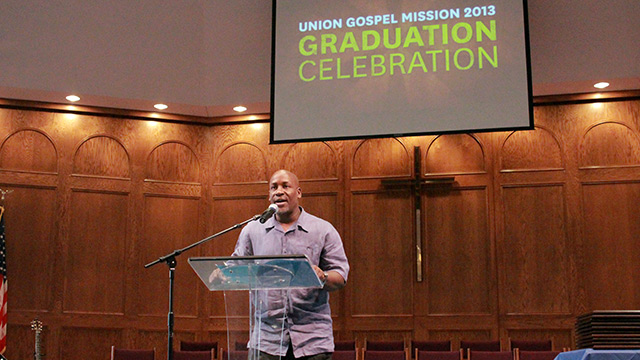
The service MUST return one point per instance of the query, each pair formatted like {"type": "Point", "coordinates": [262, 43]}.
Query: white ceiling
{"type": "Point", "coordinates": [202, 57]}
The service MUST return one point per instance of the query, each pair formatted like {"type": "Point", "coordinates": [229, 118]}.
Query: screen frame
{"type": "Point", "coordinates": [530, 126]}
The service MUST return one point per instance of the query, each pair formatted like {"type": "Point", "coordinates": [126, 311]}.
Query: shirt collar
{"type": "Point", "coordinates": [299, 224]}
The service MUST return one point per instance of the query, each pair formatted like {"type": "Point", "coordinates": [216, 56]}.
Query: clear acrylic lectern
{"type": "Point", "coordinates": [268, 279]}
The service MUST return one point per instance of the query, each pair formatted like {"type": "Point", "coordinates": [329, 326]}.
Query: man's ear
{"type": "Point", "coordinates": [299, 192]}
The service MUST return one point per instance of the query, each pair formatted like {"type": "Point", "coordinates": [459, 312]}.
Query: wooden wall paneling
{"type": "Point", "coordinates": [454, 154]}
{"type": "Point", "coordinates": [240, 191]}
{"type": "Point", "coordinates": [173, 162]}
{"type": "Point", "coordinates": [534, 250]}
{"type": "Point", "coordinates": [148, 339]}
{"type": "Point", "coordinates": [312, 161]}
{"type": "Point", "coordinates": [458, 250]}
{"type": "Point", "coordinates": [170, 223]}
{"type": "Point", "coordinates": [21, 342]}
{"type": "Point", "coordinates": [172, 193]}
{"type": "Point", "coordinates": [560, 338]}
{"type": "Point", "coordinates": [241, 163]}
{"type": "Point", "coordinates": [29, 150]}
{"type": "Point", "coordinates": [536, 150]}
{"type": "Point", "coordinates": [456, 335]}
{"type": "Point", "coordinates": [94, 277]}
{"type": "Point", "coordinates": [580, 157]}
{"type": "Point", "coordinates": [94, 280]}
{"type": "Point", "coordinates": [381, 229]}
{"type": "Point", "coordinates": [103, 156]}
{"type": "Point", "coordinates": [609, 162]}
{"type": "Point", "coordinates": [533, 224]}
{"type": "Point", "coordinates": [89, 343]}
{"type": "Point", "coordinates": [30, 220]}
{"type": "Point", "coordinates": [611, 228]}
{"type": "Point", "coordinates": [29, 163]}
{"type": "Point", "coordinates": [377, 158]}
{"type": "Point", "coordinates": [609, 144]}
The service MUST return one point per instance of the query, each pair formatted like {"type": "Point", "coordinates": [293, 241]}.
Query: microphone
{"type": "Point", "coordinates": [267, 214]}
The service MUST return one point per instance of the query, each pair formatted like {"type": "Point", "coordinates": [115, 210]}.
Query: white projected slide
{"type": "Point", "coordinates": [346, 69]}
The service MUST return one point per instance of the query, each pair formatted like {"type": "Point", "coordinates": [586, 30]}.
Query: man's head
{"type": "Point", "coordinates": [284, 191]}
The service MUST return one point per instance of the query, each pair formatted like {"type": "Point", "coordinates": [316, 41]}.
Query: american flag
{"type": "Point", "coordinates": [3, 286]}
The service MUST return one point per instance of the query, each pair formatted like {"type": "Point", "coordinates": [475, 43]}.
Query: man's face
{"type": "Point", "coordinates": [284, 191]}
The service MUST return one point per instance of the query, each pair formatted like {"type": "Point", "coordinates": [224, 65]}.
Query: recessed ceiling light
{"type": "Point", "coordinates": [160, 106]}
{"type": "Point", "coordinates": [601, 85]}
{"type": "Point", "coordinates": [73, 98]}
{"type": "Point", "coordinates": [240, 108]}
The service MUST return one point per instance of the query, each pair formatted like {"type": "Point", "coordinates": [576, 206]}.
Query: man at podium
{"type": "Point", "coordinates": [306, 321]}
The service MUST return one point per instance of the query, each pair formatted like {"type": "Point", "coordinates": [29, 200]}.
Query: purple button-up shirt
{"type": "Point", "coordinates": [306, 312]}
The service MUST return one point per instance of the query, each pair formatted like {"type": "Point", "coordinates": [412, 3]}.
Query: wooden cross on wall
{"type": "Point", "coordinates": [417, 184]}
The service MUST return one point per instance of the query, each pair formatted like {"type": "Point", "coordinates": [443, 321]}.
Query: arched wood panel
{"type": "Point", "coordinates": [29, 150]}
{"type": "Point", "coordinates": [609, 144]}
{"type": "Point", "coordinates": [455, 154]}
{"type": "Point", "coordinates": [311, 161]}
{"type": "Point", "coordinates": [101, 156]}
{"type": "Point", "coordinates": [531, 150]}
{"type": "Point", "coordinates": [381, 158]}
{"type": "Point", "coordinates": [505, 205]}
{"type": "Point", "coordinates": [241, 163]}
{"type": "Point", "coordinates": [174, 162]}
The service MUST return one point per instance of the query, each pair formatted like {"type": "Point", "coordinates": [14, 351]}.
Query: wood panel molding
{"type": "Point", "coordinates": [536, 228]}
{"type": "Point", "coordinates": [311, 161]}
{"type": "Point", "coordinates": [29, 150]}
{"type": "Point", "coordinates": [379, 158]}
{"type": "Point", "coordinates": [241, 163]}
{"type": "Point", "coordinates": [608, 145]}
{"type": "Point", "coordinates": [102, 155]}
{"type": "Point", "coordinates": [537, 150]}
{"type": "Point", "coordinates": [173, 161]}
{"type": "Point", "coordinates": [455, 154]}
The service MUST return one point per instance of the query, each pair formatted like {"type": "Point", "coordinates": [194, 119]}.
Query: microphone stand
{"type": "Point", "coordinates": [170, 260]}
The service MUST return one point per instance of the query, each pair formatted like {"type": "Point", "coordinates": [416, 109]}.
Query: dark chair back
{"type": "Point", "coordinates": [344, 345]}
{"type": "Point", "coordinates": [384, 355]}
{"type": "Point", "coordinates": [480, 345]}
{"type": "Point", "coordinates": [199, 346]}
{"type": "Point", "coordinates": [490, 355]}
{"type": "Point", "coordinates": [344, 355]}
{"type": "Point", "coordinates": [194, 355]}
{"type": "Point", "coordinates": [438, 355]}
{"type": "Point", "coordinates": [430, 345]}
{"type": "Point", "coordinates": [132, 354]}
{"type": "Point", "coordinates": [537, 355]}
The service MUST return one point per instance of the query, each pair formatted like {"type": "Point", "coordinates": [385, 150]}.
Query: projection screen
{"type": "Point", "coordinates": [344, 69]}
